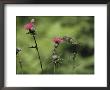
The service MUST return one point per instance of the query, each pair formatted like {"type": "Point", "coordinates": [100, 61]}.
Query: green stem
{"type": "Point", "coordinates": [21, 66]}
{"type": "Point", "coordinates": [38, 53]}
{"type": "Point", "coordinates": [74, 56]}
{"type": "Point", "coordinates": [20, 63]}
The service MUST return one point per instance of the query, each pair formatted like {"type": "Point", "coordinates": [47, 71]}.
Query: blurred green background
{"type": "Point", "coordinates": [81, 28]}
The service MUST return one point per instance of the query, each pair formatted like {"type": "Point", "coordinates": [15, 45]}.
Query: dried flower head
{"type": "Point", "coordinates": [33, 20]}
{"type": "Point", "coordinates": [18, 50]}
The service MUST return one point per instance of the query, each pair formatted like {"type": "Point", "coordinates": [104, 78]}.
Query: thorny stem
{"type": "Point", "coordinates": [38, 53]}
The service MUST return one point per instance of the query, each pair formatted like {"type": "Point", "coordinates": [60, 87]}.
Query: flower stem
{"type": "Point", "coordinates": [20, 63]}
{"type": "Point", "coordinates": [74, 56]}
{"type": "Point", "coordinates": [21, 66]}
{"type": "Point", "coordinates": [38, 53]}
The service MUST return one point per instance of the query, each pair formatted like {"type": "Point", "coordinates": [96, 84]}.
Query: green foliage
{"type": "Point", "coordinates": [80, 28]}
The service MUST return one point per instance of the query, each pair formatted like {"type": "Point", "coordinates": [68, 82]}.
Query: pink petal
{"type": "Point", "coordinates": [28, 26]}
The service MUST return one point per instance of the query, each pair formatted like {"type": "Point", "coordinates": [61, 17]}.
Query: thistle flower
{"type": "Point", "coordinates": [31, 28]}
{"type": "Point", "coordinates": [28, 26]}
{"type": "Point", "coordinates": [57, 40]}
{"type": "Point", "coordinates": [56, 59]}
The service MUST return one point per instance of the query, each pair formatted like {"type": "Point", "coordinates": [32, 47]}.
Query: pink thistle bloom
{"type": "Point", "coordinates": [57, 40]}
{"type": "Point", "coordinates": [28, 26]}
